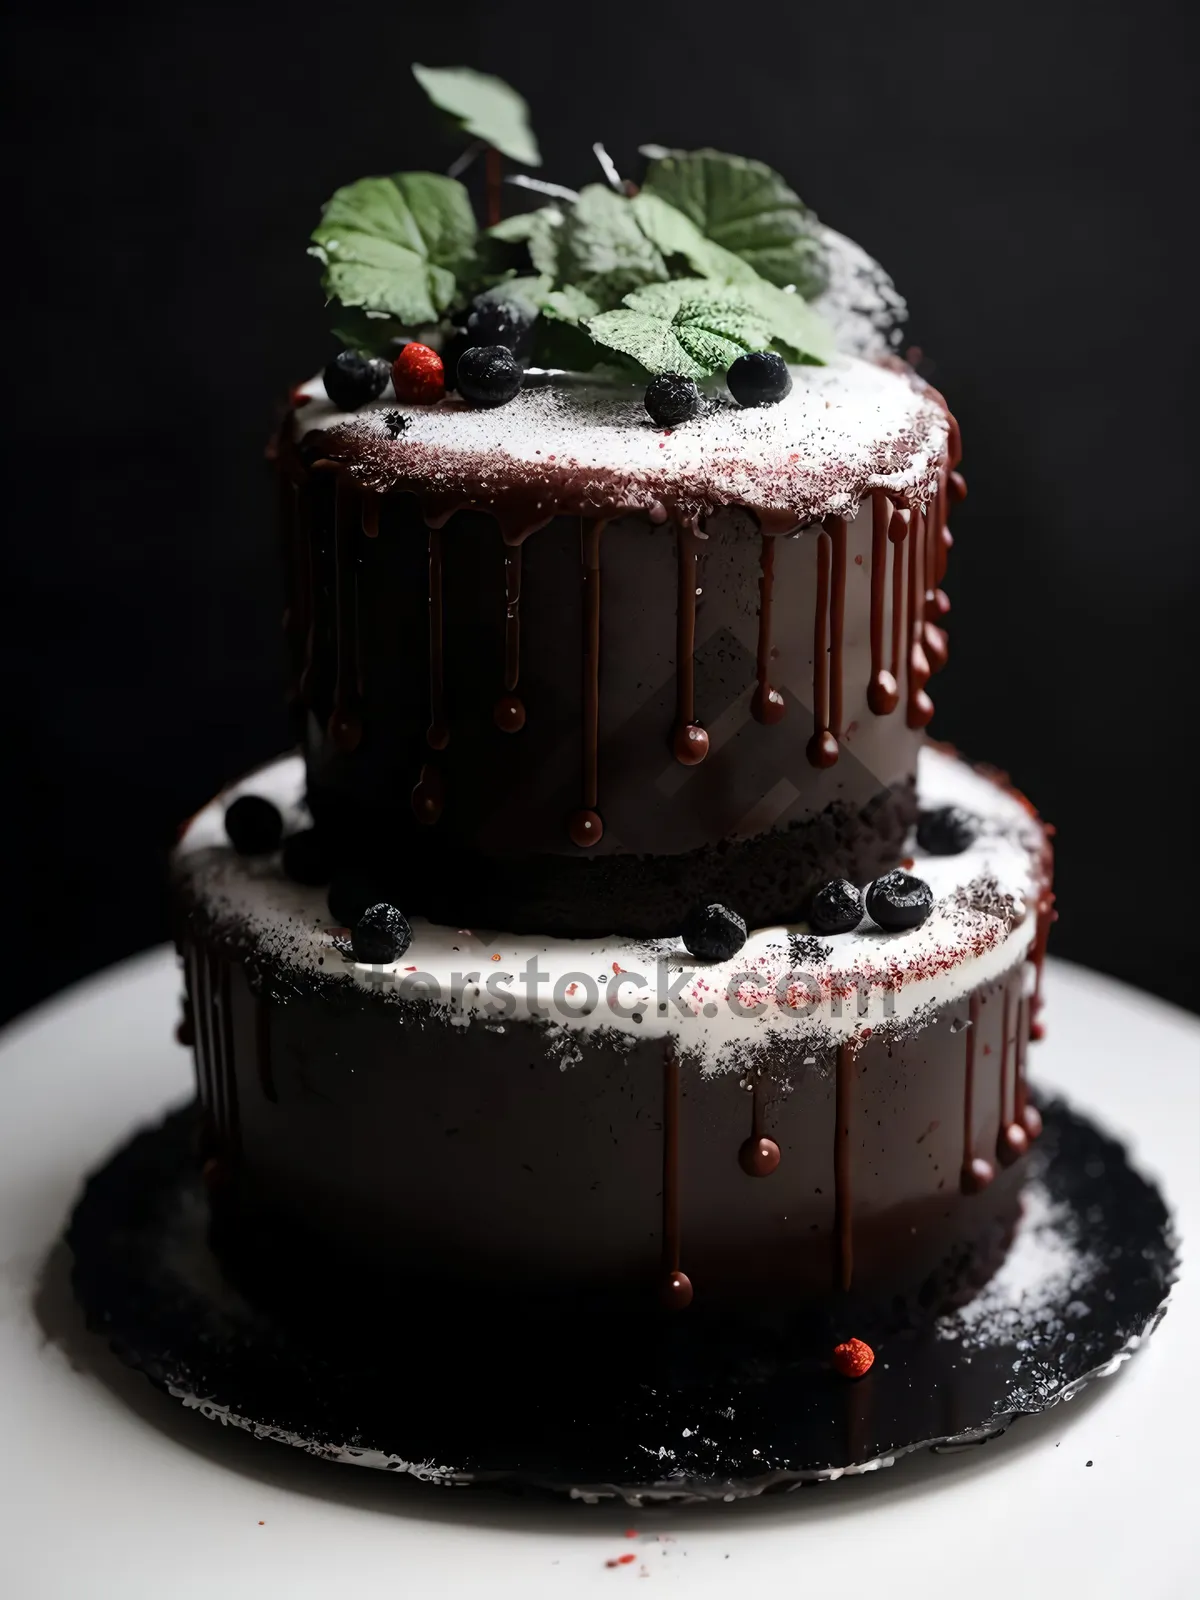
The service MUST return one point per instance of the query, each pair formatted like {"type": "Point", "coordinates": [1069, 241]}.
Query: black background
{"type": "Point", "coordinates": [1023, 170]}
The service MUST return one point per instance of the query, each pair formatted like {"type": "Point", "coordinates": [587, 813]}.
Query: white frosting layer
{"type": "Point", "coordinates": [844, 429]}
{"type": "Point", "coordinates": [782, 985]}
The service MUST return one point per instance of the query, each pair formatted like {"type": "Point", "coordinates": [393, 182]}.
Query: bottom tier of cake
{"type": "Point", "coordinates": [830, 1126]}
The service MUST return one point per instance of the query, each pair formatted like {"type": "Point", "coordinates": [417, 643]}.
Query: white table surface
{"type": "Point", "coordinates": [108, 1488]}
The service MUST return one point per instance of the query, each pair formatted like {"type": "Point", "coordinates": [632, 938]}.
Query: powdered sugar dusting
{"type": "Point", "coordinates": [583, 446]}
{"type": "Point", "coordinates": [779, 987]}
{"type": "Point", "coordinates": [1032, 1300]}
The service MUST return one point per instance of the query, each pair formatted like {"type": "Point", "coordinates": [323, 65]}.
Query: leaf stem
{"type": "Point", "coordinates": [494, 169]}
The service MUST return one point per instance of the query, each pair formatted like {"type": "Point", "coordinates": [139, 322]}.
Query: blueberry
{"type": "Point", "coordinates": [713, 932]}
{"type": "Point", "coordinates": [488, 375]}
{"type": "Point", "coordinates": [948, 831]}
{"type": "Point", "coordinates": [671, 399]}
{"type": "Point", "coordinates": [349, 895]}
{"type": "Point", "coordinates": [254, 826]}
{"type": "Point", "coordinates": [898, 901]}
{"type": "Point", "coordinates": [305, 858]}
{"type": "Point", "coordinates": [351, 380]}
{"type": "Point", "coordinates": [381, 934]}
{"type": "Point", "coordinates": [759, 379]}
{"type": "Point", "coordinates": [837, 907]}
{"type": "Point", "coordinates": [499, 317]}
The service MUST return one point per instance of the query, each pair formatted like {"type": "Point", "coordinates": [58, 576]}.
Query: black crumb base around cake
{"type": "Point", "coordinates": [676, 1416]}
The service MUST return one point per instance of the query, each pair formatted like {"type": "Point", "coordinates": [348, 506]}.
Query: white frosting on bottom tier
{"type": "Point", "coordinates": [784, 985]}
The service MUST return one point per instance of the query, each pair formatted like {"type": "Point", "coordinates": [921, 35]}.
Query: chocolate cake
{"type": "Point", "coordinates": [617, 943]}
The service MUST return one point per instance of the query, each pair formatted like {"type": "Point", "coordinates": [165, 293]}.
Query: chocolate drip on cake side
{"type": "Point", "coordinates": [676, 1288]}
{"type": "Point", "coordinates": [898, 538]}
{"type": "Point", "coordinates": [920, 706]}
{"type": "Point", "coordinates": [758, 1156]}
{"type": "Point", "coordinates": [828, 629]}
{"type": "Point", "coordinates": [768, 704]}
{"type": "Point", "coordinates": [1012, 1140]}
{"type": "Point", "coordinates": [345, 725]}
{"type": "Point", "coordinates": [977, 1172]}
{"type": "Point", "coordinates": [585, 826]}
{"type": "Point", "coordinates": [883, 696]}
{"type": "Point", "coordinates": [691, 741]}
{"type": "Point", "coordinates": [509, 711]}
{"type": "Point", "coordinates": [429, 795]}
{"type": "Point", "coordinates": [843, 1174]}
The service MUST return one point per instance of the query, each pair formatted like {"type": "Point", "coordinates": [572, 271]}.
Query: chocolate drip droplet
{"type": "Point", "coordinates": [345, 730]}
{"type": "Point", "coordinates": [768, 705]}
{"type": "Point", "coordinates": [437, 735]}
{"type": "Point", "coordinates": [882, 694]}
{"type": "Point", "coordinates": [428, 798]}
{"type": "Point", "coordinates": [843, 1202]}
{"type": "Point", "coordinates": [509, 713]}
{"type": "Point", "coordinates": [822, 749]}
{"type": "Point", "coordinates": [691, 742]}
{"type": "Point", "coordinates": [691, 745]}
{"type": "Point", "coordinates": [758, 1158]}
{"type": "Point", "coordinates": [586, 829]}
{"type": "Point", "coordinates": [976, 1173]}
{"type": "Point", "coordinates": [677, 1292]}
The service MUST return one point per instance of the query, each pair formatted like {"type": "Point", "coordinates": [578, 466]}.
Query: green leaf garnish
{"type": "Point", "coordinates": [369, 334]}
{"type": "Point", "coordinates": [691, 326]}
{"type": "Point", "coordinates": [484, 107]}
{"type": "Point", "coordinates": [746, 208]}
{"type": "Point", "coordinates": [602, 249]}
{"type": "Point", "coordinates": [397, 245]}
{"type": "Point", "coordinates": [540, 231]}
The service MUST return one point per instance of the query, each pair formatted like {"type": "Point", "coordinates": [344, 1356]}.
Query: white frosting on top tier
{"type": "Point", "coordinates": [567, 442]}
{"type": "Point", "coordinates": [784, 984]}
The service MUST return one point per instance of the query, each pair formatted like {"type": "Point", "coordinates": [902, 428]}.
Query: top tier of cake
{"type": "Point", "coordinates": [565, 671]}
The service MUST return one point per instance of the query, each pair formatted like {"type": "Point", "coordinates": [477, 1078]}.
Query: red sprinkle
{"type": "Point", "coordinates": [853, 1358]}
{"type": "Point", "coordinates": [631, 1533]}
{"type": "Point", "coordinates": [418, 375]}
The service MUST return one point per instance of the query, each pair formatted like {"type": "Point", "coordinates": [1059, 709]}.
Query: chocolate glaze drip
{"type": "Point", "coordinates": [883, 696]}
{"type": "Point", "coordinates": [585, 827]}
{"type": "Point", "coordinates": [691, 741]}
{"type": "Point", "coordinates": [214, 1053]}
{"type": "Point", "coordinates": [920, 706]}
{"type": "Point", "coordinates": [1026, 1115]}
{"type": "Point", "coordinates": [676, 1291]}
{"type": "Point", "coordinates": [437, 735]}
{"type": "Point", "coordinates": [429, 795]}
{"type": "Point", "coordinates": [828, 629]}
{"type": "Point", "coordinates": [345, 725]}
{"type": "Point", "coordinates": [898, 538]}
{"type": "Point", "coordinates": [936, 604]}
{"type": "Point", "coordinates": [768, 705]}
{"type": "Point", "coordinates": [843, 1193]}
{"type": "Point", "coordinates": [758, 1156]}
{"type": "Point", "coordinates": [306, 588]}
{"type": "Point", "coordinates": [1012, 1140]}
{"type": "Point", "coordinates": [262, 1048]}
{"type": "Point", "coordinates": [370, 514]}
{"type": "Point", "coordinates": [976, 1172]}
{"type": "Point", "coordinates": [509, 711]}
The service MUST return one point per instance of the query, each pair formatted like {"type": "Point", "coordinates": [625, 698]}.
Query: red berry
{"type": "Point", "coordinates": [853, 1358]}
{"type": "Point", "coordinates": [418, 375]}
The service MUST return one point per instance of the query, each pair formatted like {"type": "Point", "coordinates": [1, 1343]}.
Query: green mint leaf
{"type": "Point", "coordinates": [540, 231]}
{"type": "Point", "coordinates": [397, 245]}
{"type": "Point", "coordinates": [798, 332]}
{"type": "Point", "coordinates": [675, 234]}
{"type": "Point", "coordinates": [568, 304]}
{"type": "Point", "coordinates": [746, 208]}
{"type": "Point", "coordinates": [603, 251]}
{"type": "Point", "coordinates": [484, 107]}
{"type": "Point", "coordinates": [690, 325]}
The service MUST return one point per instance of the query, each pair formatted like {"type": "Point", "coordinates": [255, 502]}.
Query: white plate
{"type": "Point", "coordinates": [108, 1488]}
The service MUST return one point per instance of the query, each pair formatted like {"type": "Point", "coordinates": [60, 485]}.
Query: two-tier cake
{"type": "Point", "coordinates": [616, 941]}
